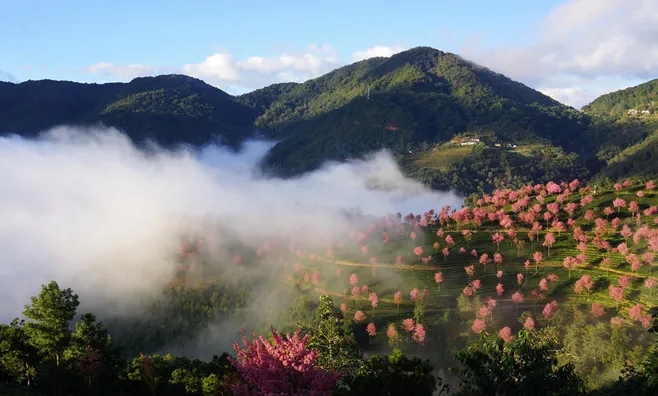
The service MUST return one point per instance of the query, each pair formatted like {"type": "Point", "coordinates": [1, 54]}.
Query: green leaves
{"type": "Point", "coordinates": [49, 316]}
{"type": "Point", "coordinates": [525, 366]}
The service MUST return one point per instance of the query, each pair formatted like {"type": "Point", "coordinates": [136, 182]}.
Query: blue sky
{"type": "Point", "coordinates": [214, 40]}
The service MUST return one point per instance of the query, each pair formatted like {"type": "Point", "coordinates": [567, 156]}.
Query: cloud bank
{"type": "Point", "coordinates": [86, 208]}
{"type": "Point", "coordinates": [224, 71]}
{"type": "Point", "coordinates": [583, 48]}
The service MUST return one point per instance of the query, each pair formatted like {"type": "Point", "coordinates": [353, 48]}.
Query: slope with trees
{"type": "Point", "coordinates": [625, 124]}
{"type": "Point", "coordinates": [169, 109]}
{"type": "Point", "coordinates": [408, 103]}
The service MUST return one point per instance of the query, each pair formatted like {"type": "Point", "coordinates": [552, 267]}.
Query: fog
{"type": "Point", "coordinates": [86, 208]}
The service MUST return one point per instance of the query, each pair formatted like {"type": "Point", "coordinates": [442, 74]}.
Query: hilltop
{"type": "Point", "coordinates": [169, 109]}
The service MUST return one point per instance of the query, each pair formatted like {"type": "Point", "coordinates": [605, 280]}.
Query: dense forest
{"type": "Point", "coordinates": [548, 289]}
{"type": "Point", "coordinates": [418, 104]}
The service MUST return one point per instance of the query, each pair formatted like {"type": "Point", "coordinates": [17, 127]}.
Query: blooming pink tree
{"type": "Point", "coordinates": [397, 300]}
{"type": "Point", "coordinates": [498, 259]}
{"type": "Point", "coordinates": [484, 260]}
{"type": "Point", "coordinates": [506, 334]}
{"type": "Point", "coordinates": [418, 251]}
{"type": "Point", "coordinates": [438, 278]}
{"type": "Point", "coordinates": [549, 240]}
{"type": "Point", "coordinates": [617, 293]}
{"type": "Point", "coordinates": [538, 258]}
{"type": "Point", "coordinates": [529, 324]}
{"type": "Point", "coordinates": [497, 238]}
{"type": "Point", "coordinates": [549, 308]}
{"type": "Point", "coordinates": [372, 330]}
{"type": "Point", "coordinates": [650, 283]}
{"type": "Point", "coordinates": [569, 263]}
{"type": "Point", "coordinates": [359, 316]}
{"type": "Point", "coordinates": [478, 326]}
{"type": "Point", "coordinates": [419, 334]}
{"type": "Point", "coordinates": [408, 325]}
{"type": "Point", "coordinates": [282, 367]}
{"type": "Point", "coordinates": [517, 298]}
{"type": "Point", "coordinates": [597, 310]}
{"type": "Point", "coordinates": [414, 294]}
{"type": "Point", "coordinates": [374, 301]}
{"type": "Point", "coordinates": [393, 335]}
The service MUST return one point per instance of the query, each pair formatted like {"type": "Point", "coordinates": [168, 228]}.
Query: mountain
{"type": "Point", "coordinates": [625, 124]}
{"type": "Point", "coordinates": [415, 102]}
{"type": "Point", "coordinates": [425, 105]}
{"type": "Point", "coordinates": [169, 109]}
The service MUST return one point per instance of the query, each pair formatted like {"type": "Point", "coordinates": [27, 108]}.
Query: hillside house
{"type": "Point", "coordinates": [633, 112]}
{"type": "Point", "coordinates": [646, 112]}
{"type": "Point", "coordinates": [468, 142]}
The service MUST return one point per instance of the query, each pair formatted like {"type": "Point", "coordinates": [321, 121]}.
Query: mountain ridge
{"type": "Point", "coordinates": [414, 103]}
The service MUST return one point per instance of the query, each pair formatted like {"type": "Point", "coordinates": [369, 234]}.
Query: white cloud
{"type": "Point", "coordinates": [587, 39]}
{"type": "Point", "coordinates": [573, 96]}
{"type": "Point", "coordinates": [240, 75]}
{"type": "Point", "coordinates": [222, 70]}
{"type": "Point", "coordinates": [123, 72]}
{"type": "Point", "coordinates": [378, 50]}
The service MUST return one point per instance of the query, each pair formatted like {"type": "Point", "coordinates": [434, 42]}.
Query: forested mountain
{"type": "Point", "coordinates": [169, 109]}
{"type": "Point", "coordinates": [625, 125]}
{"type": "Point", "coordinates": [409, 102]}
{"type": "Point", "coordinates": [428, 107]}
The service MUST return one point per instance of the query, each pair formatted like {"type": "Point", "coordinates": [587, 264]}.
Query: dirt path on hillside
{"type": "Point", "coordinates": [379, 265]}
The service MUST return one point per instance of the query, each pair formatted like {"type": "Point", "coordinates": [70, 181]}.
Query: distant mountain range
{"type": "Point", "coordinates": [450, 123]}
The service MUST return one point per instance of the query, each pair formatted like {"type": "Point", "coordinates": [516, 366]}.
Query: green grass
{"type": "Point", "coordinates": [443, 156]}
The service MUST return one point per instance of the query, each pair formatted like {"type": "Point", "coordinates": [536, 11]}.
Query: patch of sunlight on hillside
{"type": "Point", "coordinates": [443, 156]}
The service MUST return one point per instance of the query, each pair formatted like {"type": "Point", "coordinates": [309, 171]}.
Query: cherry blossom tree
{"type": "Point", "coordinates": [517, 298]}
{"type": "Point", "coordinates": [549, 240]}
{"type": "Point", "coordinates": [597, 310]}
{"type": "Point", "coordinates": [374, 301]}
{"type": "Point", "coordinates": [359, 316]}
{"type": "Point", "coordinates": [397, 300]}
{"type": "Point", "coordinates": [438, 278]}
{"type": "Point", "coordinates": [478, 326]}
{"type": "Point", "coordinates": [650, 283]}
{"type": "Point", "coordinates": [418, 251]}
{"type": "Point", "coordinates": [283, 366]}
{"type": "Point", "coordinates": [372, 330]}
{"type": "Point", "coordinates": [506, 334]}
{"type": "Point", "coordinates": [497, 238]}
{"type": "Point", "coordinates": [419, 334]}
{"type": "Point", "coordinates": [616, 293]}
{"type": "Point", "coordinates": [393, 335]}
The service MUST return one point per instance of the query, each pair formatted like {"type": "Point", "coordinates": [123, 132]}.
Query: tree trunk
{"type": "Point", "coordinates": [27, 373]}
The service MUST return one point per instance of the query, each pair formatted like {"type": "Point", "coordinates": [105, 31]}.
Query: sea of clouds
{"type": "Point", "coordinates": [87, 208]}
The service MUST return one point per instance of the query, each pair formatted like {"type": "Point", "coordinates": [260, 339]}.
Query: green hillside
{"type": "Point", "coordinates": [169, 109]}
{"type": "Point", "coordinates": [624, 124]}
